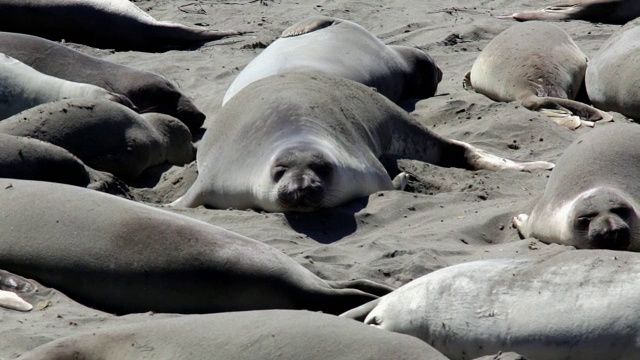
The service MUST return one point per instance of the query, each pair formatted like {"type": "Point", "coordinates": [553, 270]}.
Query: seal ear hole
{"type": "Point", "coordinates": [278, 172]}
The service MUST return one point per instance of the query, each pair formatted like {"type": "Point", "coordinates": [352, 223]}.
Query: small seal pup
{"type": "Point", "coordinates": [22, 87]}
{"type": "Point", "coordinates": [612, 75]}
{"type": "Point", "coordinates": [307, 141]}
{"type": "Point", "coordinates": [538, 65]}
{"type": "Point", "coordinates": [149, 92]}
{"type": "Point", "coordinates": [344, 49]}
{"type": "Point", "coordinates": [606, 11]}
{"type": "Point", "coordinates": [590, 199]}
{"type": "Point", "coordinates": [105, 135]}
{"type": "Point", "coordinates": [120, 256]}
{"type": "Point", "coordinates": [111, 24]}
{"type": "Point", "coordinates": [574, 305]}
{"type": "Point", "coordinates": [245, 335]}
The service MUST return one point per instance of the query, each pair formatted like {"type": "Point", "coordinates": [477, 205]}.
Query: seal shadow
{"type": "Point", "coordinates": [327, 226]}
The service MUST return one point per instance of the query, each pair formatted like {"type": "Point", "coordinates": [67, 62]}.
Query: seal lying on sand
{"type": "Point", "coordinates": [573, 305]}
{"type": "Point", "coordinates": [540, 66]}
{"type": "Point", "coordinates": [148, 91]}
{"type": "Point", "coordinates": [612, 75]}
{"type": "Point", "coordinates": [32, 159]}
{"type": "Point", "coordinates": [22, 87]}
{"type": "Point", "coordinates": [120, 256]}
{"type": "Point", "coordinates": [304, 141]}
{"type": "Point", "coordinates": [272, 334]}
{"type": "Point", "coordinates": [344, 49]}
{"type": "Point", "coordinates": [105, 135]}
{"type": "Point", "coordinates": [116, 24]}
{"type": "Point", "coordinates": [606, 11]}
{"type": "Point", "coordinates": [590, 198]}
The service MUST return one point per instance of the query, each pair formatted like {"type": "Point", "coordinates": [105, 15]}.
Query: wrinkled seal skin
{"type": "Point", "coordinates": [105, 135]}
{"type": "Point", "coordinates": [605, 11]}
{"type": "Point", "coordinates": [575, 305]}
{"type": "Point", "coordinates": [305, 141]}
{"type": "Point", "coordinates": [592, 198]}
{"type": "Point", "coordinates": [613, 74]}
{"type": "Point", "coordinates": [270, 334]}
{"type": "Point", "coordinates": [22, 87]}
{"type": "Point", "coordinates": [150, 92]}
{"type": "Point", "coordinates": [344, 49]}
{"type": "Point", "coordinates": [120, 256]}
{"type": "Point", "coordinates": [537, 64]}
{"type": "Point", "coordinates": [110, 24]}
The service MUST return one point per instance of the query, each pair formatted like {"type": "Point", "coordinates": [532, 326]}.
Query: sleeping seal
{"type": "Point", "coordinates": [590, 199]}
{"type": "Point", "coordinates": [540, 66]}
{"type": "Point", "coordinates": [574, 305]}
{"type": "Point", "coordinates": [612, 75]}
{"type": "Point", "coordinates": [270, 334]}
{"type": "Point", "coordinates": [606, 11]}
{"type": "Point", "coordinates": [150, 92]}
{"type": "Point", "coordinates": [344, 49]}
{"type": "Point", "coordinates": [112, 24]}
{"type": "Point", "coordinates": [304, 141]}
{"type": "Point", "coordinates": [22, 87]}
{"type": "Point", "coordinates": [120, 256]}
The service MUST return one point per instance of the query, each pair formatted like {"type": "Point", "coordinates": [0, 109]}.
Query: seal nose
{"type": "Point", "coordinates": [306, 191]}
{"type": "Point", "coordinates": [609, 232]}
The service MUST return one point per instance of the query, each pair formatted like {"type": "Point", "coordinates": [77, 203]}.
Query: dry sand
{"type": "Point", "coordinates": [446, 216]}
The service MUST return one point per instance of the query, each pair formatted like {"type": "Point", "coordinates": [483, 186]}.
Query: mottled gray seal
{"type": "Point", "coordinates": [120, 256]}
{"type": "Point", "coordinates": [590, 198]}
{"type": "Point", "coordinates": [574, 305]}
{"type": "Point", "coordinates": [539, 65]}
{"type": "Point", "coordinates": [271, 334]}
{"type": "Point", "coordinates": [606, 11]}
{"type": "Point", "coordinates": [22, 87]}
{"type": "Point", "coordinates": [105, 135]}
{"type": "Point", "coordinates": [612, 75]}
{"type": "Point", "coordinates": [304, 141]}
{"type": "Point", "coordinates": [147, 90]}
{"type": "Point", "coordinates": [117, 24]}
{"type": "Point", "coordinates": [345, 49]}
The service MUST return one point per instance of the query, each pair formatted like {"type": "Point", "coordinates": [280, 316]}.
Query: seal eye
{"type": "Point", "coordinates": [322, 170]}
{"type": "Point", "coordinates": [622, 212]}
{"type": "Point", "coordinates": [278, 172]}
{"type": "Point", "coordinates": [585, 220]}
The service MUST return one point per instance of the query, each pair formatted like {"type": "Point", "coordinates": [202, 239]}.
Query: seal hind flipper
{"type": "Point", "coordinates": [309, 25]}
{"type": "Point", "coordinates": [560, 110]}
{"type": "Point", "coordinates": [563, 12]}
{"type": "Point", "coordinates": [10, 286]}
{"type": "Point", "coordinates": [360, 313]}
{"type": "Point", "coordinates": [362, 285]}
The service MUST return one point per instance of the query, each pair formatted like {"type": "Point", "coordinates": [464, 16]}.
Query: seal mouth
{"type": "Point", "coordinates": [609, 232]}
{"type": "Point", "coordinates": [306, 198]}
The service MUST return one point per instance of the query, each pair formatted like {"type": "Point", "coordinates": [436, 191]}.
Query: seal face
{"type": "Point", "coordinates": [591, 200]}
{"type": "Point", "coordinates": [344, 49]}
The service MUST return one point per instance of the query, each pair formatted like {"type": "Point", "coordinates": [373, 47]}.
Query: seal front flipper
{"type": "Point", "coordinates": [360, 313]}
{"type": "Point", "coordinates": [309, 25]}
{"type": "Point", "coordinates": [520, 222]}
{"type": "Point", "coordinates": [562, 12]}
{"type": "Point", "coordinates": [362, 285]}
{"type": "Point", "coordinates": [10, 286]}
{"type": "Point", "coordinates": [400, 181]}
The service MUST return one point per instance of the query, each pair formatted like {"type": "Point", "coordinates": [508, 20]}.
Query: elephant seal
{"type": "Point", "coordinates": [112, 24]}
{"type": "Point", "coordinates": [105, 135]}
{"type": "Point", "coordinates": [22, 87]}
{"type": "Point", "coordinates": [568, 306]}
{"type": "Point", "coordinates": [344, 49]}
{"type": "Point", "coordinates": [590, 199]}
{"type": "Point", "coordinates": [267, 334]}
{"type": "Point", "coordinates": [538, 65]}
{"type": "Point", "coordinates": [120, 256]}
{"type": "Point", "coordinates": [606, 11]}
{"type": "Point", "coordinates": [612, 74]}
{"type": "Point", "coordinates": [307, 141]}
{"type": "Point", "coordinates": [32, 159]}
{"type": "Point", "coordinates": [11, 285]}
{"type": "Point", "coordinates": [149, 92]}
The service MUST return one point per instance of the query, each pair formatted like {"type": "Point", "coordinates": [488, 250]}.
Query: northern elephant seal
{"type": "Point", "coordinates": [612, 75]}
{"type": "Point", "coordinates": [344, 49]}
{"type": "Point", "coordinates": [120, 256]}
{"type": "Point", "coordinates": [606, 11]}
{"type": "Point", "coordinates": [22, 87]}
{"type": "Point", "coordinates": [304, 141]}
{"type": "Point", "coordinates": [116, 24]}
{"type": "Point", "coordinates": [538, 65]}
{"type": "Point", "coordinates": [592, 198]}
{"type": "Point", "coordinates": [270, 334]}
{"type": "Point", "coordinates": [574, 305]}
{"type": "Point", "coordinates": [147, 90]}
{"type": "Point", "coordinates": [105, 135]}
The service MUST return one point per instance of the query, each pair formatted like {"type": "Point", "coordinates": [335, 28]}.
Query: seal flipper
{"type": "Point", "coordinates": [309, 25]}
{"type": "Point", "coordinates": [400, 182]}
{"type": "Point", "coordinates": [562, 12]}
{"type": "Point", "coordinates": [360, 313]}
{"type": "Point", "coordinates": [466, 82]}
{"type": "Point", "coordinates": [367, 286]}
{"type": "Point", "coordinates": [10, 286]}
{"type": "Point", "coordinates": [11, 300]}
{"type": "Point", "coordinates": [558, 109]}
{"type": "Point", "coordinates": [520, 222]}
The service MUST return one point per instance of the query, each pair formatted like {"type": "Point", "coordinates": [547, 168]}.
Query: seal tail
{"type": "Point", "coordinates": [367, 286]}
{"type": "Point", "coordinates": [360, 313]}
